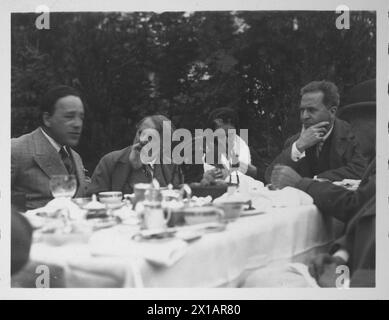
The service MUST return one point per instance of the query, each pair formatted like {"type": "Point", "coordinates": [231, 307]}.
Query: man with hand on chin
{"type": "Point", "coordinates": [121, 170]}
{"type": "Point", "coordinates": [332, 199]}
{"type": "Point", "coordinates": [356, 249]}
{"type": "Point", "coordinates": [325, 148]}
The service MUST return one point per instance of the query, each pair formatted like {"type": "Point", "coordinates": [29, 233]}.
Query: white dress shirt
{"type": "Point", "coordinates": [241, 150]}
{"type": "Point", "coordinates": [54, 143]}
{"type": "Point", "coordinates": [296, 155]}
{"type": "Point", "coordinates": [341, 253]}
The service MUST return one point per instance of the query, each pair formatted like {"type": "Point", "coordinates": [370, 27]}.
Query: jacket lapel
{"type": "Point", "coordinates": [371, 169]}
{"type": "Point", "coordinates": [339, 143]}
{"type": "Point", "coordinates": [367, 210]}
{"type": "Point", "coordinates": [79, 173]}
{"type": "Point", "coordinates": [121, 171]}
{"type": "Point", "coordinates": [79, 166]}
{"type": "Point", "coordinates": [46, 156]}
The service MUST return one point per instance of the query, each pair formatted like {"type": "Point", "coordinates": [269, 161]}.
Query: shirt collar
{"type": "Point", "coordinates": [54, 143]}
{"type": "Point", "coordinates": [151, 163]}
{"type": "Point", "coordinates": [328, 134]}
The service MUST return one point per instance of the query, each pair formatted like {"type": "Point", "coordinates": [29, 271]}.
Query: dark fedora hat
{"type": "Point", "coordinates": [361, 99]}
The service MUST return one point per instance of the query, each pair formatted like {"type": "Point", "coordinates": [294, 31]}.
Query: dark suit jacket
{"type": "Point", "coordinates": [345, 161]}
{"type": "Point", "coordinates": [359, 242]}
{"type": "Point", "coordinates": [114, 169]}
{"type": "Point", "coordinates": [33, 161]}
{"type": "Point", "coordinates": [337, 201]}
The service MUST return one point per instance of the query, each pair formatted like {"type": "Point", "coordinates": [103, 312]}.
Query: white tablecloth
{"type": "Point", "coordinates": [222, 259]}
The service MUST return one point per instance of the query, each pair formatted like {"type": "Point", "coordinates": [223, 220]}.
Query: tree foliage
{"type": "Point", "coordinates": [129, 65]}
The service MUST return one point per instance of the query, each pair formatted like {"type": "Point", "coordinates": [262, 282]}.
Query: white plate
{"type": "Point", "coordinates": [249, 213]}
{"type": "Point", "coordinates": [188, 235]}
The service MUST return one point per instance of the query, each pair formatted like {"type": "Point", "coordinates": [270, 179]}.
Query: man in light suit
{"type": "Point", "coordinates": [47, 151]}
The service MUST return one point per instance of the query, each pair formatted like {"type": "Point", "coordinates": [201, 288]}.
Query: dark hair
{"type": "Point", "coordinates": [226, 114]}
{"type": "Point", "coordinates": [53, 95]}
{"type": "Point", "coordinates": [158, 120]}
{"type": "Point", "coordinates": [329, 89]}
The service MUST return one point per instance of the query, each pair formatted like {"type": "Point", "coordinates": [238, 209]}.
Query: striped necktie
{"type": "Point", "coordinates": [318, 149]}
{"type": "Point", "coordinates": [67, 161]}
{"type": "Point", "coordinates": [148, 171]}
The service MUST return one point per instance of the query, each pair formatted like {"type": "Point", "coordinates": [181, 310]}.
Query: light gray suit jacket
{"type": "Point", "coordinates": [33, 161]}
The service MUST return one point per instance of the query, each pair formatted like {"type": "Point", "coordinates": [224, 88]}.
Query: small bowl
{"type": "Point", "coordinates": [213, 191]}
{"type": "Point", "coordinates": [110, 197]}
{"type": "Point", "coordinates": [81, 202]}
{"type": "Point", "coordinates": [196, 215]}
{"type": "Point", "coordinates": [232, 210]}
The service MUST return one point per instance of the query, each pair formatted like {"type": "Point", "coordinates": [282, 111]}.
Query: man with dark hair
{"type": "Point", "coordinates": [356, 247]}
{"type": "Point", "coordinates": [120, 170]}
{"type": "Point", "coordinates": [227, 119]}
{"type": "Point", "coordinates": [325, 148]}
{"type": "Point", "coordinates": [335, 200]}
{"type": "Point", "coordinates": [47, 151]}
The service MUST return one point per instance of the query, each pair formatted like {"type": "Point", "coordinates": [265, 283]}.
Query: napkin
{"type": "Point", "coordinates": [302, 269]}
{"type": "Point", "coordinates": [286, 197]}
{"type": "Point", "coordinates": [55, 207]}
{"type": "Point", "coordinates": [350, 184]}
{"type": "Point", "coordinates": [235, 196]}
{"type": "Point", "coordinates": [246, 183]}
{"type": "Point", "coordinates": [161, 252]}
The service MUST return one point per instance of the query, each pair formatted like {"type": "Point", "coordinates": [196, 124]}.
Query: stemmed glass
{"type": "Point", "coordinates": [63, 187]}
{"type": "Point", "coordinates": [233, 167]}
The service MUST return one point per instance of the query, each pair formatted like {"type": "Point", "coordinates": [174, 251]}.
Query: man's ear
{"type": "Point", "coordinates": [46, 119]}
{"type": "Point", "coordinates": [333, 110]}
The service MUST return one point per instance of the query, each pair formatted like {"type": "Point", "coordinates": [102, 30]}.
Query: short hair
{"type": "Point", "coordinates": [53, 95]}
{"type": "Point", "coordinates": [329, 89]}
{"type": "Point", "coordinates": [226, 114]}
{"type": "Point", "coordinates": [157, 120]}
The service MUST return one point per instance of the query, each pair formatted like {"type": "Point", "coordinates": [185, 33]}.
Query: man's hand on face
{"type": "Point", "coordinates": [135, 156]}
{"type": "Point", "coordinates": [323, 269]}
{"type": "Point", "coordinates": [135, 159]}
{"type": "Point", "coordinates": [312, 135]}
{"type": "Point", "coordinates": [284, 176]}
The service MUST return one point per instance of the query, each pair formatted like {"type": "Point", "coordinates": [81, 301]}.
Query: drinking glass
{"type": "Point", "coordinates": [63, 185]}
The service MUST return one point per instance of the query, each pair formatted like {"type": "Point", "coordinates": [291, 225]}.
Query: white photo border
{"type": "Point", "coordinates": [382, 75]}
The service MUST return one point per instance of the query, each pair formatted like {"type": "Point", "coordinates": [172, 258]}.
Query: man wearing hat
{"type": "Point", "coordinates": [325, 148]}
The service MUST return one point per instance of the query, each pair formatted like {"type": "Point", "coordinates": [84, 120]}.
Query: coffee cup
{"type": "Point", "coordinates": [232, 209]}
{"type": "Point", "coordinates": [111, 198]}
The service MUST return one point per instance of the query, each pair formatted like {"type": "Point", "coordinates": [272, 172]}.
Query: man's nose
{"type": "Point", "coordinates": [305, 115]}
{"type": "Point", "coordinates": [78, 122]}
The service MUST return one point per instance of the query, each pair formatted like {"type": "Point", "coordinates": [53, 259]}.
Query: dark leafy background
{"type": "Point", "coordinates": [128, 65]}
